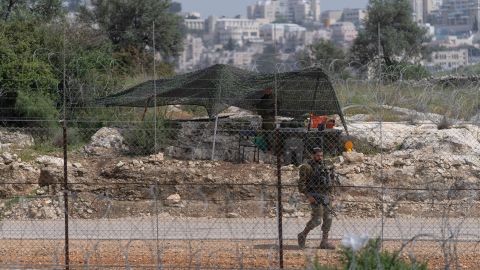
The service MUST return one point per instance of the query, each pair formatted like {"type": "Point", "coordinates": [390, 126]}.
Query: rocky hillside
{"type": "Point", "coordinates": [405, 169]}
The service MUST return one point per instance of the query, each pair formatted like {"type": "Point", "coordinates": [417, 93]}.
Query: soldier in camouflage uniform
{"type": "Point", "coordinates": [316, 183]}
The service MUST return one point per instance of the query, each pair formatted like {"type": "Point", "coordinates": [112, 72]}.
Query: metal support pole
{"type": "Point", "coordinates": [214, 137]}
{"type": "Point", "coordinates": [65, 195]}
{"type": "Point", "coordinates": [65, 156]}
{"type": "Point", "coordinates": [279, 165]}
{"type": "Point", "coordinates": [279, 198]}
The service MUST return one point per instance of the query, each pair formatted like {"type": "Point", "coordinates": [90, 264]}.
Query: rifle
{"type": "Point", "coordinates": [323, 200]}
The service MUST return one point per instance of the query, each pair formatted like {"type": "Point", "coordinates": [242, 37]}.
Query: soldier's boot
{"type": "Point", "coordinates": [302, 238]}
{"type": "Point", "coordinates": [325, 244]}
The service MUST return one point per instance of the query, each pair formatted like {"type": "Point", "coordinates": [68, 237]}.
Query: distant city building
{"type": "Point", "coordinates": [417, 10]}
{"type": "Point", "coordinates": [297, 11]}
{"type": "Point", "coordinates": [354, 15]}
{"type": "Point", "coordinates": [452, 41]}
{"type": "Point", "coordinates": [195, 24]}
{"type": "Point", "coordinates": [238, 30]}
{"type": "Point", "coordinates": [265, 9]}
{"type": "Point", "coordinates": [226, 29]}
{"type": "Point", "coordinates": [448, 59]}
{"type": "Point", "coordinates": [330, 17]}
{"type": "Point", "coordinates": [457, 17]}
{"type": "Point", "coordinates": [191, 56]}
{"type": "Point", "coordinates": [430, 6]}
{"type": "Point", "coordinates": [344, 33]}
{"type": "Point", "coordinates": [315, 10]}
{"type": "Point", "coordinates": [279, 32]}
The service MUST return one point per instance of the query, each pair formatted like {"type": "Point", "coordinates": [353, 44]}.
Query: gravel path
{"type": "Point", "coordinates": [236, 228]}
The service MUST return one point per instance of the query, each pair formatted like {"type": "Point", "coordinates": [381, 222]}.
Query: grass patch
{"type": "Point", "coordinates": [39, 149]}
{"type": "Point", "coordinates": [372, 257]}
{"type": "Point", "coordinates": [453, 102]}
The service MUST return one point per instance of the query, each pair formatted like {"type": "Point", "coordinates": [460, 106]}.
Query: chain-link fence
{"type": "Point", "coordinates": [173, 186]}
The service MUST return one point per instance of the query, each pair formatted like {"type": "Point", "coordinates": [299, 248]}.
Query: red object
{"type": "Point", "coordinates": [330, 123]}
{"type": "Point", "coordinates": [317, 120]}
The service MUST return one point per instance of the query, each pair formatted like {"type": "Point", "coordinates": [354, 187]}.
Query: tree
{"type": "Point", "coordinates": [39, 10]}
{"type": "Point", "coordinates": [176, 7]}
{"type": "Point", "coordinates": [230, 46]}
{"type": "Point", "coordinates": [325, 54]}
{"type": "Point", "coordinates": [28, 83]}
{"type": "Point", "coordinates": [401, 39]}
{"type": "Point", "coordinates": [129, 24]}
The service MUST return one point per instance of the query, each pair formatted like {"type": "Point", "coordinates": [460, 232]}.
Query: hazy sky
{"type": "Point", "coordinates": [234, 7]}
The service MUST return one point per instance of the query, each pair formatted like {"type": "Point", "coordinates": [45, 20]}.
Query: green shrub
{"type": "Point", "coordinates": [141, 138]}
{"type": "Point", "coordinates": [38, 107]}
{"type": "Point", "coordinates": [371, 257]}
{"type": "Point", "coordinates": [74, 137]}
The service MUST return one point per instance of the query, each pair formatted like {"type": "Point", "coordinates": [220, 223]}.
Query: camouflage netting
{"type": "Point", "coordinates": [220, 86]}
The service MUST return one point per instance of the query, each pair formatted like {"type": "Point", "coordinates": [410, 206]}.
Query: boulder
{"type": "Point", "coordinates": [50, 161]}
{"type": "Point", "coordinates": [157, 157]}
{"type": "Point", "coordinates": [232, 215]}
{"type": "Point", "coordinates": [353, 157]}
{"type": "Point", "coordinates": [15, 139]}
{"type": "Point", "coordinates": [50, 176]}
{"type": "Point", "coordinates": [106, 141]}
{"type": "Point", "coordinates": [387, 136]}
{"type": "Point", "coordinates": [455, 140]}
{"type": "Point", "coordinates": [289, 209]}
{"type": "Point", "coordinates": [173, 199]}
{"type": "Point", "coordinates": [7, 158]}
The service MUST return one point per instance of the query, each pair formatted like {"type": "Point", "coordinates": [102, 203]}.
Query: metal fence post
{"type": "Point", "coordinates": [65, 156]}
{"type": "Point", "coordinates": [279, 198]}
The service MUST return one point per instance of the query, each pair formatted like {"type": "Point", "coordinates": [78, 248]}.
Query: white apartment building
{"type": "Point", "coordinates": [452, 41]}
{"type": "Point", "coordinates": [191, 57]}
{"type": "Point", "coordinates": [354, 15]}
{"type": "Point", "coordinates": [449, 59]}
{"type": "Point", "coordinates": [280, 31]}
{"type": "Point", "coordinates": [239, 30]}
{"type": "Point", "coordinates": [457, 16]}
{"type": "Point", "coordinates": [417, 10]}
{"type": "Point", "coordinates": [264, 9]}
{"type": "Point", "coordinates": [195, 24]}
{"type": "Point", "coordinates": [291, 10]}
{"type": "Point", "coordinates": [430, 6]}
{"type": "Point", "coordinates": [344, 33]}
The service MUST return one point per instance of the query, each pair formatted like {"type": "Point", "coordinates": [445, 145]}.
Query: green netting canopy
{"type": "Point", "coordinates": [220, 86]}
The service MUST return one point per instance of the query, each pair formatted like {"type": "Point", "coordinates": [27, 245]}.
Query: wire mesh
{"type": "Point", "coordinates": [171, 187]}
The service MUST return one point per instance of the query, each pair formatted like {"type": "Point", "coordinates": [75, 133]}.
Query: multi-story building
{"type": "Point", "coordinates": [457, 17]}
{"type": "Point", "coordinates": [238, 30]}
{"type": "Point", "coordinates": [264, 9]}
{"type": "Point", "coordinates": [279, 32]}
{"type": "Point", "coordinates": [195, 24]}
{"type": "Point", "coordinates": [354, 15]}
{"type": "Point", "coordinates": [225, 29]}
{"type": "Point", "coordinates": [291, 10]}
{"type": "Point", "coordinates": [344, 33]}
{"type": "Point", "coordinates": [417, 10]}
{"type": "Point", "coordinates": [452, 41]}
{"type": "Point", "coordinates": [430, 6]}
{"type": "Point", "coordinates": [191, 57]}
{"type": "Point", "coordinates": [448, 59]}
{"type": "Point", "coordinates": [315, 10]}
{"type": "Point", "coordinates": [330, 17]}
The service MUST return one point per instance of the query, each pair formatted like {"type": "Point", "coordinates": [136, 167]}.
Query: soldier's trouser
{"type": "Point", "coordinates": [319, 213]}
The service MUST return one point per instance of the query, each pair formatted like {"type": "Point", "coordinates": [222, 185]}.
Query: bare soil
{"type": "Point", "coordinates": [44, 254]}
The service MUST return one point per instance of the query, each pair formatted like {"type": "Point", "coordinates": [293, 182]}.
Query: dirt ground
{"type": "Point", "coordinates": [31, 254]}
